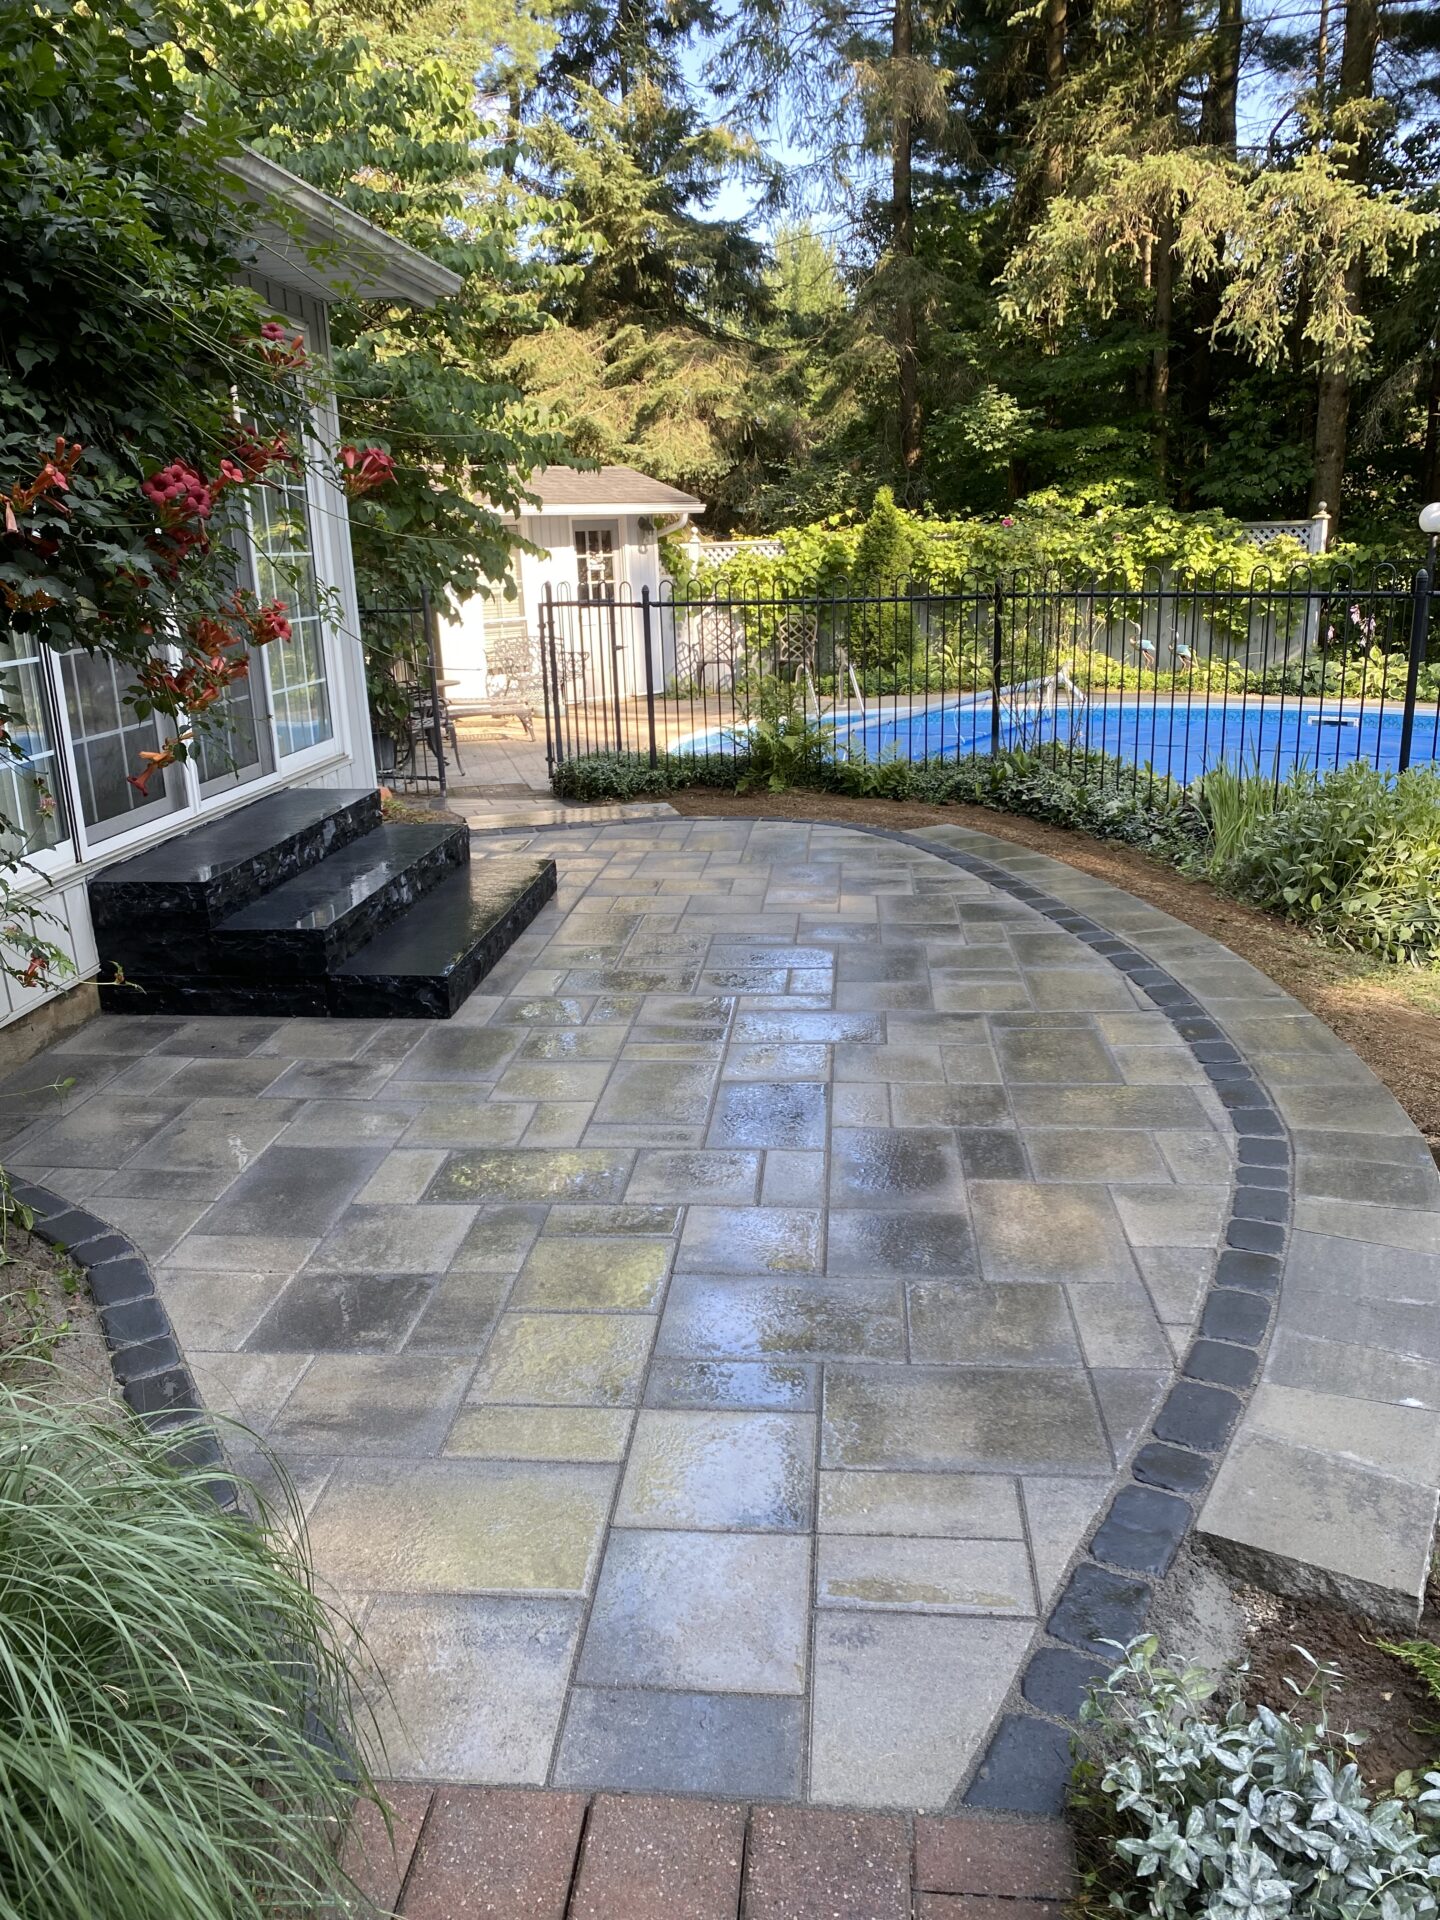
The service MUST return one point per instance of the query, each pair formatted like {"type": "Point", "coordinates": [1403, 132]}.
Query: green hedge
{"type": "Point", "coordinates": [1353, 856]}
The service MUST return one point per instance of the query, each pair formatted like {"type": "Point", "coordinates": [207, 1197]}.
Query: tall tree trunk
{"type": "Point", "coordinates": [1056, 19]}
{"type": "Point", "coordinates": [1217, 130]}
{"type": "Point", "coordinates": [907, 348]}
{"type": "Point", "coordinates": [1430, 462]}
{"type": "Point", "coordinates": [1332, 398]}
{"type": "Point", "coordinates": [1164, 320]}
{"type": "Point", "coordinates": [1218, 113]}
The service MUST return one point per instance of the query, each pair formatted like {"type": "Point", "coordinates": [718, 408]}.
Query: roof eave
{"type": "Point", "coordinates": [657, 507]}
{"type": "Point", "coordinates": [358, 260]}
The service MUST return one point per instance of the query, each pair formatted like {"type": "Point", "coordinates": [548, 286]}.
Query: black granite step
{"type": "Point", "coordinates": [424, 966]}
{"type": "Point", "coordinates": [200, 876]}
{"type": "Point", "coordinates": [198, 993]}
{"type": "Point", "coordinates": [304, 927]}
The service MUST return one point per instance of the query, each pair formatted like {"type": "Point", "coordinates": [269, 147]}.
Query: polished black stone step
{"type": "Point", "coordinates": [307, 925]}
{"type": "Point", "coordinates": [424, 966]}
{"type": "Point", "coordinates": [208, 872]}
{"type": "Point", "coordinates": [197, 993]}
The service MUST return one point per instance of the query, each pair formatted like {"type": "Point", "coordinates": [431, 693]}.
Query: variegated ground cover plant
{"type": "Point", "coordinates": [1245, 1813]}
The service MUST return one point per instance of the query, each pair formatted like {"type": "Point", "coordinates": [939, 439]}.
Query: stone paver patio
{"type": "Point", "coordinates": [702, 1359]}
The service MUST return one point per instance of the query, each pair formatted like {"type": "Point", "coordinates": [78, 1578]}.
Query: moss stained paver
{"type": "Point", "coordinates": [702, 1359]}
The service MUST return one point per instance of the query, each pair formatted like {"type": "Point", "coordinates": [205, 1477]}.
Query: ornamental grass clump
{"type": "Point", "coordinates": [174, 1699]}
{"type": "Point", "coordinates": [1248, 1814]}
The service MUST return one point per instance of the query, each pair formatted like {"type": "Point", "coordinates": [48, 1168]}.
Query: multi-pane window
{"type": "Point", "coordinates": [595, 562]}
{"type": "Point", "coordinates": [32, 814]}
{"type": "Point", "coordinates": [107, 738]}
{"type": "Point", "coordinates": [285, 570]}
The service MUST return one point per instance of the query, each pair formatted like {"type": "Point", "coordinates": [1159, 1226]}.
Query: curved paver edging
{"type": "Point", "coordinates": [145, 1356]}
{"type": "Point", "coordinates": [1200, 1455]}
{"type": "Point", "coordinates": [1207, 1465]}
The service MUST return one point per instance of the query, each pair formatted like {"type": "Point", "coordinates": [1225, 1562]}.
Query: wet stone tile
{"type": "Point", "coordinates": [629, 1221]}
{"type": "Point", "coordinates": [778, 1061]}
{"type": "Point", "coordinates": [708, 1612]}
{"type": "Point", "coordinates": [895, 1168]}
{"type": "Point", "coordinates": [1062, 1056]}
{"type": "Point", "coordinates": [460, 1053]}
{"type": "Point", "coordinates": [468, 1123]}
{"type": "Point", "coordinates": [924, 1576]}
{"type": "Point", "coordinates": [543, 1080]}
{"type": "Point", "coordinates": [1171, 1217]}
{"type": "Point", "coordinates": [393, 1239]}
{"type": "Point", "coordinates": [762, 1113]}
{"type": "Point", "coordinates": [749, 1471]}
{"type": "Point", "coordinates": [476, 1687]}
{"type": "Point", "coordinates": [498, 1239]}
{"type": "Point", "coordinates": [596, 1434]}
{"type": "Point", "coordinates": [947, 1506]}
{"type": "Point", "coordinates": [929, 1103]}
{"type": "Point", "coordinates": [343, 1313]}
{"type": "Point", "coordinates": [1118, 1326]}
{"type": "Point", "coordinates": [750, 1240]}
{"type": "Point", "coordinates": [1056, 1232]}
{"type": "Point", "coordinates": [863, 1242]}
{"type": "Point", "coordinates": [565, 1360]}
{"type": "Point", "coordinates": [299, 1190]}
{"type": "Point", "coordinates": [684, 1178]}
{"type": "Point", "coordinates": [721, 1318]}
{"type": "Point", "coordinates": [1006, 1418]}
{"type": "Point", "coordinates": [460, 1313]}
{"type": "Point", "coordinates": [577, 1274]}
{"type": "Point", "coordinates": [652, 1091]}
{"type": "Point", "coordinates": [992, 1153]}
{"type": "Point", "coordinates": [1094, 1153]}
{"type": "Point", "coordinates": [743, 1385]}
{"type": "Point", "coordinates": [350, 1403]}
{"type": "Point", "coordinates": [981, 1324]}
{"type": "Point", "coordinates": [725, 1746]}
{"type": "Point", "coordinates": [461, 1526]}
{"type": "Point", "coordinates": [223, 1135]}
{"type": "Point", "coordinates": [580, 1173]}
{"type": "Point", "coordinates": [941, 1678]}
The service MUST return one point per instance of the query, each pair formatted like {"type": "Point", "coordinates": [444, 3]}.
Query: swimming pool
{"type": "Point", "coordinates": [1183, 738]}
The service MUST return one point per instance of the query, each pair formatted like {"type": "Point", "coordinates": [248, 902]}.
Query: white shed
{"type": "Point", "coordinates": [598, 535]}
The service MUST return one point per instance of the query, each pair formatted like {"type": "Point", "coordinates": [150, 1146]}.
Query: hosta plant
{"type": "Point", "coordinates": [1243, 1813]}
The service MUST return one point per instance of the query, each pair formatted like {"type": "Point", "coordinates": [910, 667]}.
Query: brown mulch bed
{"type": "Point", "coordinates": [1388, 1015]}
{"type": "Point", "coordinates": [1378, 1697]}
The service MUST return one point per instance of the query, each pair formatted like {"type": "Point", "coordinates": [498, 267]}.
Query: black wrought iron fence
{"type": "Point", "coordinates": [408, 718]}
{"type": "Point", "coordinates": [1168, 677]}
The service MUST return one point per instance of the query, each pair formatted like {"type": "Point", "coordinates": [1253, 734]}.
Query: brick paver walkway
{"type": "Point", "coordinates": [466, 1853]}
{"type": "Point", "coordinates": [701, 1360]}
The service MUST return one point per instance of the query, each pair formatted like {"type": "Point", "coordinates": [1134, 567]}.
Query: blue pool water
{"type": "Point", "coordinates": [1181, 738]}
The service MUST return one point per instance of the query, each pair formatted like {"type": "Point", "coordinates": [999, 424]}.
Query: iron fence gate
{"type": "Point", "coordinates": [408, 716]}
{"type": "Point", "coordinates": [1169, 676]}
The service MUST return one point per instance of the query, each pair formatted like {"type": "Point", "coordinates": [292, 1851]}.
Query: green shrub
{"type": "Point", "coordinates": [1354, 855]}
{"type": "Point", "coordinates": [1252, 1814]}
{"type": "Point", "coordinates": [174, 1700]}
{"type": "Point", "coordinates": [630, 776]}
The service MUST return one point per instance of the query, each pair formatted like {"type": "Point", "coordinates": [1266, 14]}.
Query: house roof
{"type": "Point", "coordinates": [613, 489]}
{"type": "Point", "coordinates": [356, 260]}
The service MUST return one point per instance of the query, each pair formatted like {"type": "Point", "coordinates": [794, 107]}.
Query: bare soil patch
{"type": "Point", "coordinates": [1390, 1016]}
{"type": "Point", "coordinates": [1379, 1697]}
{"type": "Point", "coordinates": [50, 1339]}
